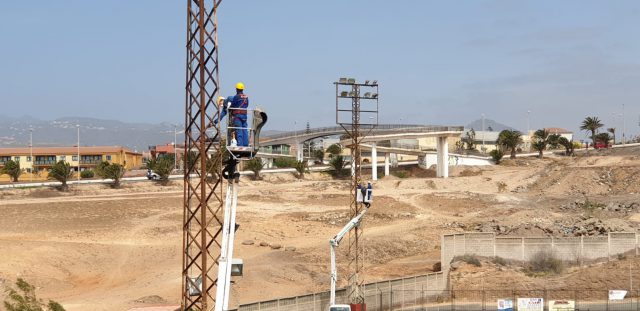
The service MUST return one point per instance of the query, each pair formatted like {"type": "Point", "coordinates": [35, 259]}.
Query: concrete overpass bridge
{"type": "Point", "coordinates": [293, 138]}
{"type": "Point", "coordinates": [381, 133]}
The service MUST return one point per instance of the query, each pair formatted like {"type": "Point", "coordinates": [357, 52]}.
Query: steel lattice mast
{"type": "Point", "coordinates": [350, 119]}
{"type": "Point", "coordinates": [203, 200]}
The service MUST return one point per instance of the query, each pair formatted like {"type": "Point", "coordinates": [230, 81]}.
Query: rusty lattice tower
{"type": "Point", "coordinates": [357, 114]}
{"type": "Point", "coordinates": [203, 200]}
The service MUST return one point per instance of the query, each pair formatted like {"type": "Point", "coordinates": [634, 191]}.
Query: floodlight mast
{"type": "Point", "coordinates": [334, 243]}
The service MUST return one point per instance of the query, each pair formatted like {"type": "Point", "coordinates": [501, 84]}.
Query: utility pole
{"type": "Point", "coordinates": [624, 141]}
{"type": "Point", "coordinates": [78, 127]}
{"type": "Point", "coordinates": [483, 148]}
{"type": "Point", "coordinates": [31, 151]}
{"type": "Point", "coordinates": [529, 128]}
{"type": "Point", "coordinates": [175, 141]}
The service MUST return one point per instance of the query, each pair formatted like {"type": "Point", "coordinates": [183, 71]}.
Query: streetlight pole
{"type": "Point", "coordinates": [483, 148]}
{"type": "Point", "coordinates": [529, 127]}
{"type": "Point", "coordinates": [78, 127]}
{"type": "Point", "coordinates": [31, 152]}
{"type": "Point", "coordinates": [175, 141]}
{"type": "Point", "coordinates": [623, 126]}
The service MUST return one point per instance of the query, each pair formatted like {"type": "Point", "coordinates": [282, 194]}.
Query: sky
{"type": "Point", "coordinates": [437, 62]}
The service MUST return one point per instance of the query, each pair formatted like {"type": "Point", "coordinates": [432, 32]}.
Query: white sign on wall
{"type": "Point", "coordinates": [530, 304]}
{"type": "Point", "coordinates": [617, 294]}
{"type": "Point", "coordinates": [505, 305]}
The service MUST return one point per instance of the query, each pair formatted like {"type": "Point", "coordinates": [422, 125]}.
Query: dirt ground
{"type": "Point", "coordinates": [96, 248]}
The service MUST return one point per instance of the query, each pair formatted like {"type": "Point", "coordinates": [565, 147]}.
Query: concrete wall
{"type": "Point", "coordinates": [454, 160]}
{"type": "Point", "coordinates": [578, 249]}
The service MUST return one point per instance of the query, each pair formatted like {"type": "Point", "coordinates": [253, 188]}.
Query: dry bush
{"type": "Point", "coordinates": [545, 262]}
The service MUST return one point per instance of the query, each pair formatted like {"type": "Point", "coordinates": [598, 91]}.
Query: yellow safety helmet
{"type": "Point", "coordinates": [220, 100]}
{"type": "Point", "coordinates": [239, 86]}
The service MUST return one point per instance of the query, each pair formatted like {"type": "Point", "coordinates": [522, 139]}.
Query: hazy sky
{"type": "Point", "coordinates": [438, 62]}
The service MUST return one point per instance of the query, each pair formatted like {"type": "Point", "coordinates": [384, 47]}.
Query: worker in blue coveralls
{"type": "Point", "coordinates": [238, 116]}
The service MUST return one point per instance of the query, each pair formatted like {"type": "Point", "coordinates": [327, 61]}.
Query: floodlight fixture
{"type": "Point", "coordinates": [351, 81]}
{"type": "Point", "coordinates": [236, 267]}
{"type": "Point", "coordinates": [374, 95]}
{"type": "Point", "coordinates": [352, 94]}
{"type": "Point", "coordinates": [343, 80]}
{"type": "Point", "coordinates": [367, 95]}
{"type": "Point", "coordinates": [375, 82]}
{"type": "Point", "coordinates": [344, 94]}
{"type": "Point", "coordinates": [366, 82]}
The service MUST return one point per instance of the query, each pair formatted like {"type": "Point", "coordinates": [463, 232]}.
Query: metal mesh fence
{"type": "Point", "coordinates": [393, 299]}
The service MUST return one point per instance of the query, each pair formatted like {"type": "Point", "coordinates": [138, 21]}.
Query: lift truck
{"type": "Point", "coordinates": [227, 265]}
{"type": "Point", "coordinates": [365, 196]}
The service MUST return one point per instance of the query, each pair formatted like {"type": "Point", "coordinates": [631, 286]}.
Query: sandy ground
{"type": "Point", "coordinates": [96, 248]}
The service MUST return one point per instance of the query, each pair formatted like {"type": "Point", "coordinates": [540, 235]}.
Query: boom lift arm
{"type": "Point", "coordinates": [334, 243]}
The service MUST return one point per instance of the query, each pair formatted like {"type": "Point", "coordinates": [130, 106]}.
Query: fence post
{"type": "Point", "coordinates": [522, 239]}
{"type": "Point", "coordinates": [484, 300]}
{"type": "Point", "coordinates": [391, 298]}
{"type": "Point", "coordinates": [581, 250]}
{"type": "Point", "coordinates": [608, 250]}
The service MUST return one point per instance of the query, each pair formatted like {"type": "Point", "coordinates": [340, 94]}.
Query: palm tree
{"type": "Point", "coordinates": [541, 138]}
{"type": "Point", "coordinates": [61, 172]}
{"type": "Point", "coordinates": [612, 130]}
{"type": "Point", "coordinates": [112, 171]}
{"type": "Point", "coordinates": [12, 168]}
{"type": "Point", "coordinates": [567, 144]}
{"type": "Point", "coordinates": [510, 139]}
{"type": "Point", "coordinates": [591, 124]}
{"type": "Point", "coordinates": [603, 138]}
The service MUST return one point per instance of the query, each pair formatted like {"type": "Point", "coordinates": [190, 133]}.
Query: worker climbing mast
{"type": "Point", "coordinates": [209, 220]}
{"type": "Point", "coordinates": [357, 119]}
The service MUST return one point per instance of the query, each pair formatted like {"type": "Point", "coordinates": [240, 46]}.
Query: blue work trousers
{"type": "Point", "coordinates": [242, 134]}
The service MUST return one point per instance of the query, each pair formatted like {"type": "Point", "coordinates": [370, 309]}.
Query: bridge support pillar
{"type": "Point", "coordinates": [374, 161]}
{"type": "Point", "coordinates": [386, 164]}
{"type": "Point", "coordinates": [299, 152]}
{"type": "Point", "coordinates": [442, 166]}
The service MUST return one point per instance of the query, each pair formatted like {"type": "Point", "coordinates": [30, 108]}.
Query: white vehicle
{"type": "Point", "coordinates": [363, 195]}
{"type": "Point", "coordinates": [151, 175]}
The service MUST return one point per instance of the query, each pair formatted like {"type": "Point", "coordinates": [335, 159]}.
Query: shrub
{"type": "Point", "coordinates": [12, 168]}
{"type": "Point", "coordinates": [334, 150]}
{"type": "Point", "coordinates": [301, 168]}
{"type": "Point", "coordinates": [545, 262]}
{"type": "Point", "coordinates": [338, 163]}
{"type": "Point", "coordinates": [163, 167]}
{"type": "Point", "coordinates": [470, 259]}
{"type": "Point", "coordinates": [400, 174]}
{"type": "Point", "coordinates": [112, 171]}
{"type": "Point", "coordinates": [61, 172]}
{"type": "Point", "coordinates": [255, 165]}
{"type": "Point", "coordinates": [285, 163]}
{"type": "Point", "coordinates": [500, 261]}
{"type": "Point", "coordinates": [87, 174]}
{"type": "Point", "coordinates": [24, 299]}
{"type": "Point", "coordinates": [502, 186]}
{"type": "Point", "coordinates": [496, 155]}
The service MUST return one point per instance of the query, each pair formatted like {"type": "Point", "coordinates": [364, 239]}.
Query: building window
{"type": "Point", "coordinates": [28, 158]}
{"type": "Point", "coordinates": [74, 158]}
{"type": "Point", "coordinates": [62, 158]}
{"type": "Point", "coordinates": [108, 158]}
{"type": "Point", "coordinates": [17, 159]}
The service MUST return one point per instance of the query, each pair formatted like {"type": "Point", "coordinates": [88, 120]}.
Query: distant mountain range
{"type": "Point", "coordinates": [489, 125]}
{"type": "Point", "coordinates": [14, 132]}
